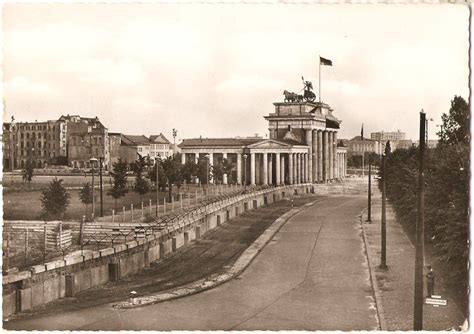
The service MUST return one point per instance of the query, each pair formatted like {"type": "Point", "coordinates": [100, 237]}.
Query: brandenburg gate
{"type": "Point", "coordinates": [301, 148]}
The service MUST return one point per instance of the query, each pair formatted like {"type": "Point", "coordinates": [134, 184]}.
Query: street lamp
{"type": "Point", "coordinates": [92, 161]}
{"type": "Point", "coordinates": [245, 172]}
{"type": "Point", "coordinates": [175, 132]}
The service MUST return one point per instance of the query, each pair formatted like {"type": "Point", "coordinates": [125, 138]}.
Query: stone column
{"type": "Point", "coordinates": [334, 137]}
{"type": "Point", "coordinates": [307, 175]}
{"type": "Point", "coordinates": [325, 156]}
{"type": "Point", "coordinates": [282, 169]}
{"type": "Point", "coordinates": [302, 168]}
{"type": "Point", "coordinates": [265, 169]}
{"type": "Point", "coordinates": [331, 155]}
{"type": "Point", "coordinates": [277, 169]}
{"type": "Point", "coordinates": [309, 142]}
{"type": "Point", "coordinates": [320, 156]}
{"type": "Point", "coordinates": [270, 168]}
{"type": "Point", "coordinates": [252, 169]}
{"type": "Point", "coordinates": [183, 158]}
{"type": "Point", "coordinates": [196, 157]}
{"type": "Point", "coordinates": [239, 168]}
{"type": "Point", "coordinates": [290, 168]}
{"type": "Point", "coordinates": [224, 177]}
{"type": "Point", "coordinates": [298, 168]}
{"type": "Point", "coordinates": [295, 168]}
{"type": "Point", "coordinates": [314, 156]}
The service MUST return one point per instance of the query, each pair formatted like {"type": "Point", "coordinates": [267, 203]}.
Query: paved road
{"type": "Point", "coordinates": [312, 276]}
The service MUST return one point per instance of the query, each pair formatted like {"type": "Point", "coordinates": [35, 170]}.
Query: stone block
{"type": "Point", "coordinates": [154, 253]}
{"type": "Point", "coordinates": [38, 269]}
{"type": "Point", "coordinates": [106, 252]}
{"type": "Point", "coordinates": [120, 248]}
{"type": "Point", "coordinates": [150, 238]}
{"type": "Point", "coordinates": [37, 294]}
{"type": "Point", "coordinates": [82, 280]}
{"type": "Point", "coordinates": [55, 264]}
{"type": "Point", "coordinates": [88, 256]}
{"type": "Point", "coordinates": [25, 299]}
{"type": "Point", "coordinates": [99, 275]}
{"type": "Point", "coordinates": [73, 259]}
{"type": "Point", "coordinates": [132, 244]}
{"type": "Point", "coordinates": [9, 304]}
{"type": "Point", "coordinates": [141, 241]}
{"type": "Point", "coordinates": [51, 289]}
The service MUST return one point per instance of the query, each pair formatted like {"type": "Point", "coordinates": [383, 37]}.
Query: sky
{"type": "Point", "coordinates": [216, 70]}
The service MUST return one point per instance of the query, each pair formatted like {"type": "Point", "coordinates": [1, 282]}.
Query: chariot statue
{"type": "Point", "coordinates": [308, 94]}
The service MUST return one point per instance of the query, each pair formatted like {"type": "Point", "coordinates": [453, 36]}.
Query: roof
{"type": "Point", "coordinates": [359, 138]}
{"type": "Point", "coordinates": [132, 140]}
{"type": "Point", "coordinates": [195, 142]}
{"type": "Point", "coordinates": [160, 139]}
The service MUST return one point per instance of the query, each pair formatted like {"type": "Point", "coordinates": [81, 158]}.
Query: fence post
{"type": "Point", "coordinates": [150, 208]}
{"type": "Point", "coordinates": [181, 200]}
{"type": "Point", "coordinates": [26, 244]}
{"type": "Point", "coordinates": [7, 260]}
{"type": "Point", "coordinates": [60, 235]}
{"type": "Point", "coordinates": [196, 197]}
{"type": "Point", "coordinates": [164, 206]}
{"type": "Point", "coordinates": [81, 228]}
{"type": "Point", "coordinates": [123, 208]}
{"type": "Point", "coordinates": [172, 203]}
{"type": "Point", "coordinates": [142, 209]}
{"type": "Point", "coordinates": [45, 233]}
{"type": "Point", "coordinates": [131, 209]}
{"type": "Point", "coordinates": [113, 215]}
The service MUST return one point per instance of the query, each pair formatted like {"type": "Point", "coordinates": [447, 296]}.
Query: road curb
{"type": "Point", "coordinates": [373, 279]}
{"type": "Point", "coordinates": [215, 280]}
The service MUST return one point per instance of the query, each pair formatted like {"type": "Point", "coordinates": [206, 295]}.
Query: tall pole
{"type": "Point", "coordinates": [245, 172]}
{"type": "Point", "coordinates": [319, 79]}
{"type": "Point", "coordinates": [369, 195]}
{"type": "Point", "coordinates": [420, 231]}
{"type": "Point", "coordinates": [93, 194]}
{"type": "Point", "coordinates": [100, 187]}
{"type": "Point", "coordinates": [157, 185]}
{"type": "Point", "coordinates": [383, 257]}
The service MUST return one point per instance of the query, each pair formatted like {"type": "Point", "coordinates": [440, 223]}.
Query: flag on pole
{"type": "Point", "coordinates": [362, 132]}
{"type": "Point", "coordinates": [324, 61]}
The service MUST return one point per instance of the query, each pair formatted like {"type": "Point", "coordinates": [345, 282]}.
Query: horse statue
{"type": "Point", "coordinates": [308, 94]}
{"type": "Point", "coordinates": [290, 97]}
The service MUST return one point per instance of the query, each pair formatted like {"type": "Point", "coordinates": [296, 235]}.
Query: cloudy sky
{"type": "Point", "coordinates": [215, 70]}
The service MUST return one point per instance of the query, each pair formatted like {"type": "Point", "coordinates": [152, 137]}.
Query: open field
{"type": "Point", "coordinates": [26, 204]}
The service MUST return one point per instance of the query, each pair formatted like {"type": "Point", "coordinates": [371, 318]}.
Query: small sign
{"type": "Point", "coordinates": [436, 302]}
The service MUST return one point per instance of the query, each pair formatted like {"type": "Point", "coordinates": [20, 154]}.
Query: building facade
{"type": "Point", "coordinates": [160, 146]}
{"type": "Point", "coordinates": [383, 136]}
{"type": "Point", "coordinates": [87, 138]}
{"type": "Point", "coordinates": [359, 145]}
{"type": "Point", "coordinates": [38, 143]}
{"type": "Point", "coordinates": [302, 148]}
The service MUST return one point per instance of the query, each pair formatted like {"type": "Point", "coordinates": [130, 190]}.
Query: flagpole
{"type": "Point", "coordinates": [319, 79]}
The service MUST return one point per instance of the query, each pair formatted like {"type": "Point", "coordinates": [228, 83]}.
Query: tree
{"type": "Point", "coordinates": [172, 173]}
{"type": "Point", "coordinates": [54, 200]}
{"type": "Point", "coordinates": [141, 184]}
{"type": "Point", "coordinates": [188, 171]}
{"type": "Point", "coordinates": [227, 168]}
{"type": "Point", "coordinates": [85, 194]}
{"type": "Point", "coordinates": [455, 128]}
{"type": "Point", "coordinates": [119, 174]}
{"type": "Point", "coordinates": [28, 173]}
{"type": "Point", "coordinates": [161, 174]}
{"type": "Point", "coordinates": [204, 170]}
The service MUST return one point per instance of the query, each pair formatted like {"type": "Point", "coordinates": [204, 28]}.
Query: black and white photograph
{"type": "Point", "coordinates": [236, 166]}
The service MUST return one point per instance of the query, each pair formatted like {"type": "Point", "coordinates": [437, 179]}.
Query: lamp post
{"type": "Point", "coordinates": [175, 132]}
{"type": "Point", "coordinates": [92, 161]}
{"type": "Point", "coordinates": [100, 180]}
{"type": "Point", "coordinates": [245, 172]}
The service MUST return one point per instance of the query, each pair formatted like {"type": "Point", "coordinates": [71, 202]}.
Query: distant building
{"type": "Point", "coordinates": [86, 138]}
{"type": "Point", "coordinates": [160, 146]}
{"type": "Point", "coordinates": [40, 143]}
{"type": "Point", "coordinates": [384, 136]}
{"type": "Point", "coordinates": [430, 143]}
{"type": "Point", "coordinates": [357, 146]}
{"type": "Point", "coordinates": [403, 144]}
{"type": "Point", "coordinates": [128, 147]}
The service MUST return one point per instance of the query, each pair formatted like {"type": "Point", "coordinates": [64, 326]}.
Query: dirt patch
{"type": "Point", "coordinates": [217, 250]}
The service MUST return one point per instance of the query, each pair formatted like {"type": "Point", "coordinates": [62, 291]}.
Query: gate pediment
{"type": "Point", "coordinates": [270, 144]}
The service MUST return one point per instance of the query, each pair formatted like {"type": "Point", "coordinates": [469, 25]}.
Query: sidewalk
{"type": "Point", "coordinates": [396, 284]}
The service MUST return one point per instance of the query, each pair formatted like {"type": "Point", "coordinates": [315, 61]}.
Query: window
{"type": "Point", "coordinates": [27, 135]}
